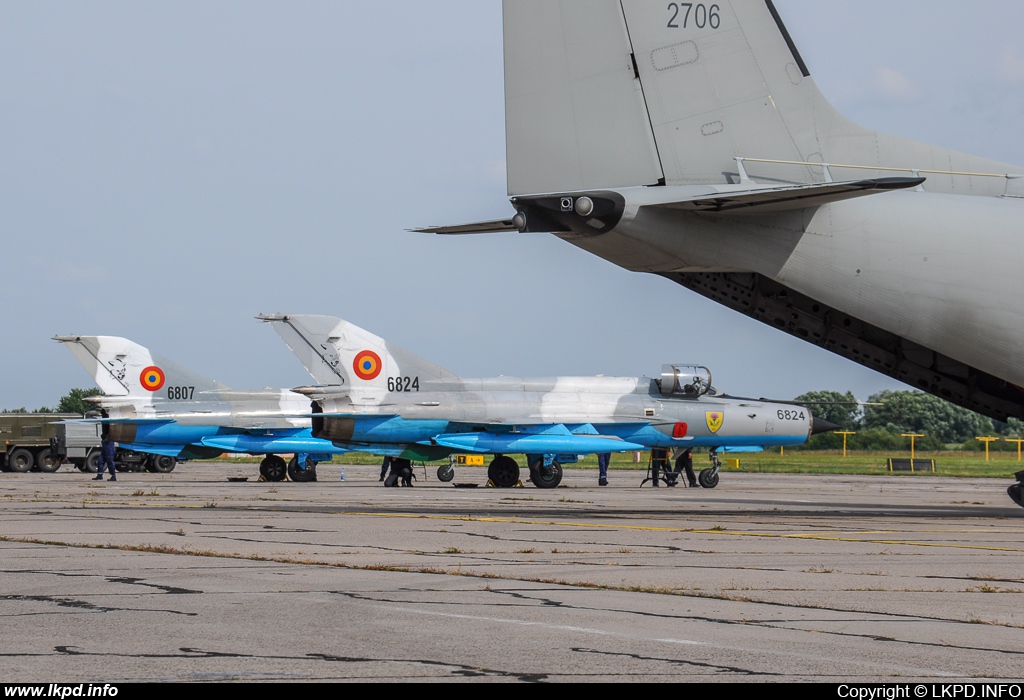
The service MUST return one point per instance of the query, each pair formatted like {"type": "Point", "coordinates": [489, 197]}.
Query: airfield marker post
{"type": "Point", "coordinates": [845, 435]}
{"type": "Point", "coordinates": [912, 437]}
{"type": "Point", "coordinates": [988, 441]}
{"type": "Point", "coordinates": [1019, 443]}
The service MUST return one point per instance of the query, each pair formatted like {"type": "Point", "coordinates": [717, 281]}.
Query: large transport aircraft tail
{"type": "Point", "coordinates": [123, 368]}
{"type": "Point", "coordinates": [342, 355]}
{"type": "Point", "coordinates": [682, 139]}
{"type": "Point", "coordinates": [619, 93]}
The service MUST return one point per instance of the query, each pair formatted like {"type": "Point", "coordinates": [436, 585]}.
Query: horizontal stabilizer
{"type": "Point", "coordinates": [503, 226]}
{"type": "Point", "coordinates": [775, 199]}
{"type": "Point", "coordinates": [487, 443]}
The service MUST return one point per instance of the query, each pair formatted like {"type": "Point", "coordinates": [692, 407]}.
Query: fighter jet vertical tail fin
{"type": "Point", "coordinates": [123, 368]}
{"type": "Point", "coordinates": [338, 353]}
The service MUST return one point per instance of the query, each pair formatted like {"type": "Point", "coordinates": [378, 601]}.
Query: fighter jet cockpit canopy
{"type": "Point", "coordinates": [686, 381]}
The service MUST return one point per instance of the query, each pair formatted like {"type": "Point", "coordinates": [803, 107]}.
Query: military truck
{"type": "Point", "coordinates": [44, 441]}
{"type": "Point", "coordinates": [80, 444]}
{"type": "Point", "coordinates": [25, 441]}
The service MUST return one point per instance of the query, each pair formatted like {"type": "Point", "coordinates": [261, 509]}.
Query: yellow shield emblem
{"type": "Point", "coordinates": [715, 420]}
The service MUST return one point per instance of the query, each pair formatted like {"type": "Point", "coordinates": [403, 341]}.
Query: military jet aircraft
{"type": "Point", "coordinates": [375, 397]}
{"type": "Point", "coordinates": [155, 406]}
{"type": "Point", "coordinates": [689, 140]}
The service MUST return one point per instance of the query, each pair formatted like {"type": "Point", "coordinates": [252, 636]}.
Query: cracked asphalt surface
{"type": "Point", "coordinates": [769, 577]}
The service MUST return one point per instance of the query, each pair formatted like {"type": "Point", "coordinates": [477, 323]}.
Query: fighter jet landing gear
{"type": "Point", "coordinates": [503, 472]}
{"type": "Point", "coordinates": [446, 472]}
{"type": "Point", "coordinates": [545, 476]}
{"type": "Point", "coordinates": [302, 474]}
{"type": "Point", "coordinates": [709, 477]}
{"type": "Point", "coordinates": [273, 468]}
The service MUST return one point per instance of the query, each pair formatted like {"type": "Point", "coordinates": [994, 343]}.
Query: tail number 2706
{"type": "Point", "coordinates": [701, 16]}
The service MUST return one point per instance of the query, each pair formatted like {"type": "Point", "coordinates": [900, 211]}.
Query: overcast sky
{"type": "Point", "coordinates": [170, 169]}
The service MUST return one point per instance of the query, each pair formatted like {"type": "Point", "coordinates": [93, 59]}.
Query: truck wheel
{"type": "Point", "coordinates": [46, 462]}
{"type": "Point", "coordinates": [21, 461]}
{"type": "Point", "coordinates": [92, 462]}
{"type": "Point", "coordinates": [162, 464]}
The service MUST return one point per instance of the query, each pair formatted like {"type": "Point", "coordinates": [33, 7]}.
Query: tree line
{"type": "Point", "coordinates": [887, 415]}
{"type": "Point", "coordinates": [72, 402]}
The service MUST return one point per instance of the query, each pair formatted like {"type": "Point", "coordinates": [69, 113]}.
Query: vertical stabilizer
{"type": "Point", "coordinates": [621, 93]}
{"type": "Point", "coordinates": [123, 368]}
{"type": "Point", "coordinates": [574, 109]}
{"type": "Point", "coordinates": [723, 80]}
{"type": "Point", "coordinates": [338, 353]}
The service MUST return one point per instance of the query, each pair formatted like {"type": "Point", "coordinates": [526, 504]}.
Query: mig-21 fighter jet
{"type": "Point", "coordinates": [372, 396]}
{"type": "Point", "coordinates": [154, 406]}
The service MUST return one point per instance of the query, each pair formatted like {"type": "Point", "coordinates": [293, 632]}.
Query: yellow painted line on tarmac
{"type": "Point", "coordinates": [733, 533]}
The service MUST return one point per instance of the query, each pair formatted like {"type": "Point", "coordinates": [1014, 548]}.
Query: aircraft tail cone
{"type": "Point", "coordinates": [819, 426]}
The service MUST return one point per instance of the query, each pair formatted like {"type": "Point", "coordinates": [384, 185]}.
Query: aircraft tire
{"type": "Point", "coordinates": [546, 477]}
{"type": "Point", "coordinates": [46, 463]}
{"type": "Point", "coordinates": [1015, 493]}
{"type": "Point", "coordinates": [708, 479]}
{"type": "Point", "coordinates": [445, 473]}
{"type": "Point", "coordinates": [503, 472]}
{"type": "Point", "coordinates": [301, 476]}
{"type": "Point", "coordinates": [21, 461]}
{"type": "Point", "coordinates": [162, 464]}
{"type": "Point", "coordinates": [273, 468]}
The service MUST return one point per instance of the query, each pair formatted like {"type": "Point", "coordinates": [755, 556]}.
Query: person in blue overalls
{"type": "Point", "coordinates": [602, 464]}
{"type": "Point", "coordinates": [109, 449]}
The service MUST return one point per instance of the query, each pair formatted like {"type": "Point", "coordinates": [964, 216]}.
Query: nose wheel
{"type": "Point", "coordinates": [708, 478]}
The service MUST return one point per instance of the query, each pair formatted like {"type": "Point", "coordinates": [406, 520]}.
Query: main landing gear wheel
{"type": "Point", "coordinates": [546, 477]}
{"type": "Point", "coordinates": [708, 478]}
{"type": "Point", "coordinates": [503, 472]}
{"type": "Point", "coordinates": [162, 464]}
{"type": "Point", "coordinates": [273, 468]}
{"type": "Point", "coordinates": [300, 475]}
{"type": "Point", "coordinates": [445, 473]}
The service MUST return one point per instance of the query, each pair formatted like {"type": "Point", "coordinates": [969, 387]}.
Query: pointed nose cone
{"type": "Point", "coordinates": [819, 426]}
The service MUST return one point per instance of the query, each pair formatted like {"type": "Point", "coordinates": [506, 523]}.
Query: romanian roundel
{"type": "Point", "coordinates": [367, 365]}
{"type": "Point", "coordinates": [152, 379]}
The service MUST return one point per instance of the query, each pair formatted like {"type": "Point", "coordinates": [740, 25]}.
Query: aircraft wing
{"type": "Point", "coordinates": [774, 199]}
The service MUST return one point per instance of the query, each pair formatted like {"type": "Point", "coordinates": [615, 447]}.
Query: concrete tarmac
{"type": "Point", "coordinates": [187, 577]}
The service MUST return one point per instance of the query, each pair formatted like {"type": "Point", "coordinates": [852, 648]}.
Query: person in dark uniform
{"type": "Point", "coordinates": [603, 460]}
{"type": "Point", "coordinates": [108, 450]}
{"type": "Point", "coordinates": [685, 461]}
{"type": "Point", "coordinates": [384, 466]}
